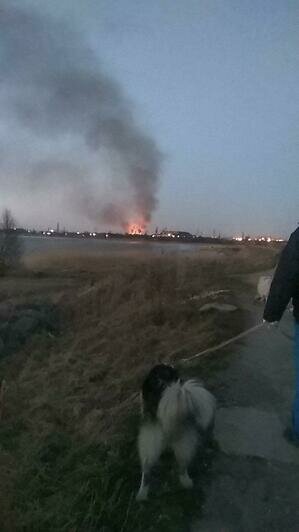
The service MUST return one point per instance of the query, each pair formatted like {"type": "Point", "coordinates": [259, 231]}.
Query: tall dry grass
{"type": "Point", "coordinates": [69, 397]}
{"type": "Point", "coordinates": [123, 315]}
{"type": "Point", "coordinates": [127, 315]}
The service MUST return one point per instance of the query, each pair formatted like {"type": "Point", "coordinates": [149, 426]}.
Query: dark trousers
{"type": "Point", "coordinates": [296, 402]}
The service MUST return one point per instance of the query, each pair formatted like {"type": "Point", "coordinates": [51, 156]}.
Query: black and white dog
{"type": "Point", "coordinates": [176, 414]}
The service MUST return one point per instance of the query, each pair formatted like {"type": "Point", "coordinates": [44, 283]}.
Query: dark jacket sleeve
{"type": "Point", "coordinates": [284, 281]}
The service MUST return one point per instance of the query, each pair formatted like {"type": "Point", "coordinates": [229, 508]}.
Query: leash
{"type": "Point", "coordinates": [223, 344]}
{"type": "Point", "coordinates": [135, 395]}
{"type": "Point", "coordinates": [205, 352]}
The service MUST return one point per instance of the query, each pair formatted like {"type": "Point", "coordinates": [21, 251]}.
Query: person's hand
{"type": "Point", "coordinates": [271, 324]}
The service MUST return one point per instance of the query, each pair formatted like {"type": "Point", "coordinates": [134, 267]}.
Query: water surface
{"type": "Point", "coordinates": [40, 244]}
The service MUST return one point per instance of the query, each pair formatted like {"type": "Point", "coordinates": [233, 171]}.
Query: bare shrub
{"type": "Point", "coordinates": [10, 245]}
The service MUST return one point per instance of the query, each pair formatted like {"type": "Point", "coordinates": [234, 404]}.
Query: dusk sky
{"type": "Point", "coordinates": [189, 114]}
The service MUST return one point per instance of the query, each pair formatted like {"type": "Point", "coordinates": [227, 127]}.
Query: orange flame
{"type": "Point", "coordinates": [136, 229]}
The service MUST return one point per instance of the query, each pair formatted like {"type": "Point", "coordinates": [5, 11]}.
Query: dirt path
{"type": "Point", "coordinates": [254, 484]}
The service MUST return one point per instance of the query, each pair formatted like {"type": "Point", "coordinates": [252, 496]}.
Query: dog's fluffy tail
{"type": "Point", "coordinates": [182, 401]}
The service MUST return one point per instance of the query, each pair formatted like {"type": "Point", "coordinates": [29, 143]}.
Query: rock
{"type": "Point", "coordinates": [214, 293]}
{"type": "Point", "coordinates": [6, 311]}
{"type": "Point", "coordinates": [30, 313]}
{"type": "Point", "coordinates": [24, 321]}
{"type": "Point", "coordinates": [19, 330]}
{"type": "Point", "coordinates": [196, 297]}
{"type": "Point", "coordinates": [221, 307]}
{"type": "Point", "coordinates": [4, 326]}
{"type": "Point", "coordinates": [23, 327]}
{"type": "Point", "coordinates": [1, 347]}
{"type": "Point", "coordinates": [46, 315]}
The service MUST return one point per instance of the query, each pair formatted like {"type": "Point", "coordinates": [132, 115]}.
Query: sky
{"type": "Point", "coordinates": [189, 119]}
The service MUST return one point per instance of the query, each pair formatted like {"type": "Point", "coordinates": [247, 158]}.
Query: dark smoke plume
{"type": "Point", "coordinates": [81, 126]}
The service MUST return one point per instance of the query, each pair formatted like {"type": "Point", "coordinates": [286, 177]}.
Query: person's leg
{"type": "Point", "coordinates": [296, 402]}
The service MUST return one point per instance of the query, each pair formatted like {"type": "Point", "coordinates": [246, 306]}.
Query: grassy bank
{"type": "Point", "coordinates": [67, 437]}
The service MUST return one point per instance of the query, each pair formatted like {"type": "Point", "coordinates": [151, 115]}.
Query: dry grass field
{"type": "Point", "coordinates": [69, 421]}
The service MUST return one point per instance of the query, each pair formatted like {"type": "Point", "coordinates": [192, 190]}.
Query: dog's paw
{"type": "Point", "coordinates": [186, 481]}
{"type": "Point", "coordinates": [142, 494]}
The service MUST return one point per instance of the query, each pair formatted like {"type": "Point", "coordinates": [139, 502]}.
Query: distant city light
{"type": "Point", "coordinates": [158, 235]}
{"type": "Point", "coordinates": [267, 239]}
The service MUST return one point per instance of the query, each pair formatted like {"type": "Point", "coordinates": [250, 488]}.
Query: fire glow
{"type": "Point", "coordinates": [136, 229]}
